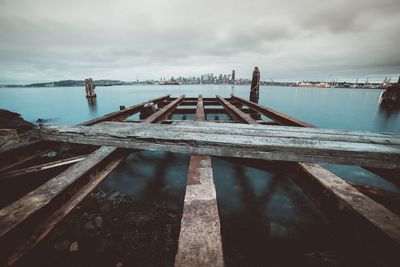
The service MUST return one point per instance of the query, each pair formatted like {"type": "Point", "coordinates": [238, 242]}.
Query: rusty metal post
{"type": "Point", "coordinates": [255, 86]}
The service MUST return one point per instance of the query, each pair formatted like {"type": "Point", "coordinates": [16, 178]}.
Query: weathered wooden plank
{"type": "Point", "coordinates": [272, 114]}
{"type": "Point", "coordinates": [51, 202]}
{"type": "Point", "coordinates": [343, 204]}
{"type": "Point", "coordinates": [125, 113]}
{"type": "Point", "coordinates": [351, 210]}
{"type": "Point", "coordinates": [200, 242]}
{"type": "Point", "coordinates": [165, 112]}
{"type": "Point", "coordinates": [21, 209]}
{"type": "Point", "coordinates": [235, 113]}
{"type": "Point", "coordinates": [210, 111]}
{"type": "Point", "coordinates": [12, 158]}
{"type": "Point", "coordinates": [389, 199]}
{"type": "Point", "coordinates": [22, 140]}
{"type": "Point", "coordinates": [262, 142]}
{"type": "Point", "coordinates": [41, 167]}
{"type": "Point", "coordinates": [390, 175]}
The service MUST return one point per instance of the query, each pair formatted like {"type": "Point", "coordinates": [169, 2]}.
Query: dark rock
{"type": "Point", "coordinates": [12, 120]}
{"type": "Point", "coordinates": [98, 221]}
{"type": "Point", "coordinates": [61, 245]}
{"type": "Point", "coordinates": [90, 226]}
{"type": "Point", "coordinates": [74, 246]}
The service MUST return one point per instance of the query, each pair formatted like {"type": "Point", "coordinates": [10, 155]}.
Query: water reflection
{"type": "Point", "coordinates": [265, 217]}
{"type": "Point", "coordinates": [152, 176]}
{"type": "Point", "coordinates": [387, 116]}
{"type": "Point", "coordinates": [92, 103]}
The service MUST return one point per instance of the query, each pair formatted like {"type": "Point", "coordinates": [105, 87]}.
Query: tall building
{"type": "Point", "coordinates": [233, 75]}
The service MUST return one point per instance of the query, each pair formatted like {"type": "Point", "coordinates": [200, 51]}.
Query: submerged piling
{"type": "Point", "coordinates": [255, 86]}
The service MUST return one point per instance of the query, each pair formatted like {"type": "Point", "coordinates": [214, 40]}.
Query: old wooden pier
{"type": "Point", "coordinates": [363, 213]}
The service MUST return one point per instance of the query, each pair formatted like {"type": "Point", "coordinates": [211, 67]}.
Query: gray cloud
{"type": "Point", "coordinates": [46, 40]}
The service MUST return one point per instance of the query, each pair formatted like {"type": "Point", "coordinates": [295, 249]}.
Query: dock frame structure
{"type": "Point", "coordinates": [360, 211]}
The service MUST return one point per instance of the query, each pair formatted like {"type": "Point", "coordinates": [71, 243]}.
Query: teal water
{"type": "Point", "coordinates": [259, 200]}
{"type": "Point", "coordinates": [351, 109]}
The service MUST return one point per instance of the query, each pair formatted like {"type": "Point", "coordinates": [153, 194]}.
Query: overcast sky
{"type": "Point", "coordinates": [47, 40]}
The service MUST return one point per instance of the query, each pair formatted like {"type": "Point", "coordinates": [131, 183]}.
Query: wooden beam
{"type": "Point", "coordinates": [12, 158]}
{"type": "Point", "coordinates": [125, 113]}
{"type": "Point", "coordinates": [214, 102]}
{"type": "Point", "coordinates": [211, 111]}
{"type": "Point", "coordinates": [356, 212]}
{"type": "Point", "coordinates": [283, 119]}
{"type": "Point", "coordinates": [41, 167]}
{"type": "Point", "coordinates": [235, 140]}
{"type": "Point", "coordinates": [200, 242]}
{"type": "Point", "coordinates": [25, 222]}
{"type": "Point", "coordinates": [389, 199]}
{"type": "Point", "coordinates": [235, 113]}
{"type": "Point", "coordinates": [165, 112]}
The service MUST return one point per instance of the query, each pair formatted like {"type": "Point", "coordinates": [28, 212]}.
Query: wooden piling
{"type": "Point", "coordinates": [89, 86]}
{"type": "Point", "coordinates": [255, 86]}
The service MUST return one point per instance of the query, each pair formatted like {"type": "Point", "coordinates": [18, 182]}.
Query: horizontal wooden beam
{"type": "Point", "coordinates": [235, 140]}
{"type": "Point", "coordinates": [10, 158]}
{"type": "Point", "coordinates": [210, 111]}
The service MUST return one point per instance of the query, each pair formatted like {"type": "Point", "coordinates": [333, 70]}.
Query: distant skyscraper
{"type": "Point", "coordinates": [233, 75]}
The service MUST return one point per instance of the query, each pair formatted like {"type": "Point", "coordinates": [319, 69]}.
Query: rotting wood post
{"type": "Point", "coordinates": [200, 242]}
{"type": "Point", "coordinates": [255, 86]}
{"type": "Point", "coordinates": [342, 203]}
{"type": "Point", "coordinates": [25, 222]}
{"type": "Point", "coordinates": [89, 86]}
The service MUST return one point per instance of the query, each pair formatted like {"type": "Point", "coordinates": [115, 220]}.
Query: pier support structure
{"type": "Point", "coordinates": [200, 242]}
{"type": "Point", "coordinates": [255, 86]}
{"type": "Point", "coordinates": [89, 86]}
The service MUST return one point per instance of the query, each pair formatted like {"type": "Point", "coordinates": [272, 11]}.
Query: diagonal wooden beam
{"type": "Point", "coordinates": [25, 222]}
{"type": "Point", "coordinates": [235, 113]}
{"type": "Point", "coordinates": [165, 112]}
{"type": "Point", "coordinates": [41, 167]}
{"type": "Point", "coordinates": [200, 242]}
{"type": "Point", "coordinates": [365, 217]}
{"type": "Point", "coordinates": [283, 119]}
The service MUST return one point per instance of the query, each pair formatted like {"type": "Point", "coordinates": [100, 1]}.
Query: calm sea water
{"type": "Point", "coordinates": [251, 198]}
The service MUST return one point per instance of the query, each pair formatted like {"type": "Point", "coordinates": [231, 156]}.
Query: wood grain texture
{"type": "Point", "coordinates": [253, 141]}
{"type": "Point", "coordinates": [200, 242]}
{"type": "Point", "coordinates": [355, 212]}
